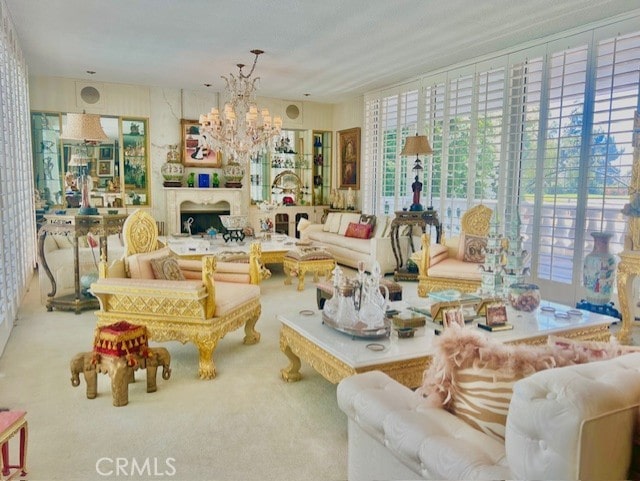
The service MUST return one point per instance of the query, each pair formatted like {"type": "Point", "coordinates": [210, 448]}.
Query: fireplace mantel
{"type": "Point", "coordinates": [201, 199]}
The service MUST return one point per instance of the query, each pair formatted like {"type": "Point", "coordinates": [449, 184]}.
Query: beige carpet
{"type": "Point", "coordinates": [247, 424]}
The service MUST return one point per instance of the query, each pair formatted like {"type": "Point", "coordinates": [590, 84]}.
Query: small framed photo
{"type": "Point", "coordinates": [453, 316]}
{"type": "Point", "coordinates": [496, 315]}
{"type": "Point", "coordinates": [105, 168]}
{"type": "Point", "coordinates": [106, 152]}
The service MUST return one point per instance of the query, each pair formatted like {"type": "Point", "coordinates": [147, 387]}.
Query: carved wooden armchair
{"type": "Point", "coordinates": [201, 311]}
{"type": "Point", "coordinates": [449, 265]}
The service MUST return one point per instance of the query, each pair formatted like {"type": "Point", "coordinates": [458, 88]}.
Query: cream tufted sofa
{"type": "Point", "coordinates": [349, 251]}
{"type": "Point", "coordinates": [574, 422]}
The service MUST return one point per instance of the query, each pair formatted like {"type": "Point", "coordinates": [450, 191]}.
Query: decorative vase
{"type": "Point", "coordinates": [524, 296]}
{"type": "Point", "coordinates": [599, 270]}
{"type": "Point", "coordinates": [172, 170]}
{"type": "Point", "coordinates": [233, 174]}
{"type": "Point", "coordinates": [215, 182]}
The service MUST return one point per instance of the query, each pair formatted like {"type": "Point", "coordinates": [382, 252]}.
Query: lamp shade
{"type": "Point", "coordinates": [84, 128]}
{"type": "Point", "coordinates": [78, 160]}
{"type": "Point", "coordinates": [416, 144]}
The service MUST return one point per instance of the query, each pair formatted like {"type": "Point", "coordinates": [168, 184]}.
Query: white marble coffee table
{"type": "Point", "coordinates": [335, 355]}
{"type": "Point", "coordinates": [273, 250]}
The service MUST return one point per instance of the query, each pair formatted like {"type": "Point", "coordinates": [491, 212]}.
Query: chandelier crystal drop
{"type": "Point", "coordinates": [241, 130]}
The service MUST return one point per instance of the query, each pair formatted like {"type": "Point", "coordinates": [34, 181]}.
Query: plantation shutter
{"type": "Point", "coordinates": [456, 152]}
{"type": "Point", "coordinates": [372, 174]}
{"type": "Point", "coordinates": [559, 175]}
{"type": "Point", "coordinates": [610, 142]}
{"type": "Point", "coordinates": [434, 99]}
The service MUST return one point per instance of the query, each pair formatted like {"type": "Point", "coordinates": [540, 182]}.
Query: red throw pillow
{"type": "Point", "coordinates": [359, 231]}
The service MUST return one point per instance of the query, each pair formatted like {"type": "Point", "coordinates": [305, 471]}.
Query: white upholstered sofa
{"type": "Point", "coordinates": [573, 422]}
{"type": "Point", "coordinates": [348, 251]}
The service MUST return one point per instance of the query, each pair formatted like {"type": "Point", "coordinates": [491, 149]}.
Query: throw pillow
{"type": "Point", "coordinates": [345, 220]}
{"type": "Point", "coordinates": [382, 227]}
{"type": "Point", "coordinates": [587, 351]}
{"type": "Point", "coordinates": [473, 376]}
{"type": "Point", "coordinates": [359, 231]}
{"type": "Point", "coordinates": [308, 253]}
{"type": "Point", "coordinates": [232, 256]}
{"type": "Point", "coordinates": [471, 248]}
{"type": "Point", "coordinates": [368, 219]}
{"type": "Point", "coordinates": [166, 268]}
{"type": "Point", "coordinates": [139, 265]}
{"type": "Point", "coordinates": [333, 219]}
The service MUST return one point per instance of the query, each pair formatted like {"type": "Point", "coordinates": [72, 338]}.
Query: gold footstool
{"type": "Point", "coordinates": [299, 261]}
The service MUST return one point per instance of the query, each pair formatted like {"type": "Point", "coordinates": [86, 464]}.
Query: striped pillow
{"type": "Point", "coordinates": [473, 376]}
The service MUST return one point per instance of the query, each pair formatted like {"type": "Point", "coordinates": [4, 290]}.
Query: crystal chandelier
{"type": "Point", "coordinates": [241, 130]}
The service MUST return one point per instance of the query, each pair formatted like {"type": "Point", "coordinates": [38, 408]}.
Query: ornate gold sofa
{"type": "Point", "coordinates": [199, 311]}
{"type": "Point", "coordinates": [440, 266]}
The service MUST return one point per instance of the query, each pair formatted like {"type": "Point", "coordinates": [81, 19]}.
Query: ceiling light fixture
{"type": "Point", "coordinates": [241, 129]}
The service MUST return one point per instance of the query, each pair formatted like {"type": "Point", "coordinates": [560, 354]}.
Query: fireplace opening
{"type": "Point", "coordinates": [202, 221]}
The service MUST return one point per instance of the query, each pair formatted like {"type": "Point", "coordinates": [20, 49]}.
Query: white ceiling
{"type": "Point", "coordinates": [329, 49]}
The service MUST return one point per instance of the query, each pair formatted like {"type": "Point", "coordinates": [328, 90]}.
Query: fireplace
{"type": "Point", "coordinates": [205, 204]}
{"type": "Point", "coordinates": [202, 221]}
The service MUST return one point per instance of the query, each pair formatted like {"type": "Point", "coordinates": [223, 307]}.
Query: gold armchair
{"type": "Point", "coordinates": [201, 311]}
{"type": "Point", "coordinates": [442, 266]}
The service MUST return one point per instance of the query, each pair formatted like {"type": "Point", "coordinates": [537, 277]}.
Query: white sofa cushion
{"type": "Point", "coordinates": [332, 222]}
{"type": "Point", "coordinates": [345, 220]}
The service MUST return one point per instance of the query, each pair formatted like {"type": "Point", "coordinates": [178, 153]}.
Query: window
{"type": "Point", "coordinates": [543, 133]}
{"type": "Point", "coordinates": [17, 220]}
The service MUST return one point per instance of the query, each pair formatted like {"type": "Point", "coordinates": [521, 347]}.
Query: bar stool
{"type": "Point", "coordinates": [10, 423]}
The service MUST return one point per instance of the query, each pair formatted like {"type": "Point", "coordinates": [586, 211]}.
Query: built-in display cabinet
{"type": "Point", "coordinates": [296, 171]}
{"type": "Point", "coordinates": [117, 169]}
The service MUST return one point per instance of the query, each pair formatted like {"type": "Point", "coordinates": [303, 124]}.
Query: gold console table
{"type": "Point", "coordinates": [75, 226]}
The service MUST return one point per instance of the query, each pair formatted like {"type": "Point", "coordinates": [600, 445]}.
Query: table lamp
{"type": "Point", "coordinates": [86, 130]}
{"type": "Point", "coordinates": [416, 145]}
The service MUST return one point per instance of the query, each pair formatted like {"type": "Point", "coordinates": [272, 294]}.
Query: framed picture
{"type": "Point", "coordinates": [454, 316]}
{"type": "Point", "coordinates": [349, 158]}
{"type": "Point", "coordinates": [105, 152]}
{"type": "Point", "coordinates": [105, 168]}
{"type": "Point", "coordinates": [496, 315]}
{"type": "Point", "coordinates": [197, 150]}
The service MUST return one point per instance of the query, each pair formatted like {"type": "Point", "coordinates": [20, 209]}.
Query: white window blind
{"type": "Point", "coordinates": [458, 125]}
{"type": "Point", "coordinates": [525, 90]}
{"type": "Point", "coordinates": [434, 99]}
{"type": "Point", "coordinates": [610, 153]}
{"type": "Point", "coordinates": [485, 161]}
{"type": "Point", "coordinates": [371, 168]}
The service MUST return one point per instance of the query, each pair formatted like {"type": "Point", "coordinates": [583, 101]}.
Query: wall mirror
{"type": "Point", "coordinates": [117, 169]}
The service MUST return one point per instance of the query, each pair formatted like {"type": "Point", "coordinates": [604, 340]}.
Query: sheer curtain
{"type": "Point", "coordinates": [17, 220]}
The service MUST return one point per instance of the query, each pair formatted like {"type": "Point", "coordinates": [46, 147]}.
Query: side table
{"type": "Point", "coordinates": [76, 226]}
{"type": "Point", "coordinates": [411, 218]}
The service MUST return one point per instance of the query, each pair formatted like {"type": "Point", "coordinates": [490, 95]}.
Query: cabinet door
{"type": "Point", "coordinates": [48, 174]}
{"type": "Point", "coordinates": [321, 167]}
{"type": "Point", "coordinates": [135, 160]}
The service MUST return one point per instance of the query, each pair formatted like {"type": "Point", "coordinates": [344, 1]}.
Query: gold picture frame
{"type": "Point", "coordinates": [349, 158]}
{"type": "Point", "coordinates": [196, 149]}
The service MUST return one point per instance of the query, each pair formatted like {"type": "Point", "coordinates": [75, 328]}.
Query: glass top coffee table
{"type": "Point", "coordinates": [336, 355]}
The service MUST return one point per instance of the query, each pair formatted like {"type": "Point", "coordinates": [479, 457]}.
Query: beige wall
{"type": "Point", "coordinates": [165, 107]}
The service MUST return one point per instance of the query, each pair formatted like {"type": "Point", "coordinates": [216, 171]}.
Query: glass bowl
{"type": "Point", "coordinates": [524, 297]}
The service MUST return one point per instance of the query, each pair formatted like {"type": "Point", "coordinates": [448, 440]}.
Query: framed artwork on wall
{"type": "Point", "coordinates": [197, 150]}
{"type": "Point", "coordinates": [349, 158]}
{"type": "Point", "coordinates": [105, 168]}
{"type": "Point", "coordinates": [105, 152]}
